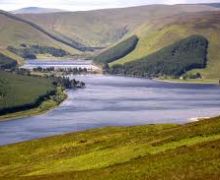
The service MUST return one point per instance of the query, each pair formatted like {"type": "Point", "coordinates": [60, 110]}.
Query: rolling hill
{"type": "Point", "coordinates": [103, 28]}
{"type": "Point", "coordinates": [163, 32]}
{"type": "Point", "coordinates": [174, 60]}
{"type": "Point", "coordinates": [156, 27]}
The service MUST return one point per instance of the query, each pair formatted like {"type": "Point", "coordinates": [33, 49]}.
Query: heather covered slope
{"type": "Point", "coordinates": [189, 151]}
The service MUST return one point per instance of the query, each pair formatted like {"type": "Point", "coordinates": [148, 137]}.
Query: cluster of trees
{"type": "Point", "coordinates": [68, 83]}
{"type": "Point", "coordinates": [30, 52]}
{"type": "Point", "coordinates": [118, 51]}
{"type": "Point", "coordinates": [65, 71]}
{"type": "Point", "coordinates": [174, 60]}
{"type": "Point", "coordinates": [6, 62]}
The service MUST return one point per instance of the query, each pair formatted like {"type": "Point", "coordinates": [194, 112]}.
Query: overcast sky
{"type": "Point", "coordinates": [80, 5]}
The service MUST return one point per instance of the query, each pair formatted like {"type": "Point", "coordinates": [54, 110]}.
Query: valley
{"type": "Point", "coordinates": [117, 93]}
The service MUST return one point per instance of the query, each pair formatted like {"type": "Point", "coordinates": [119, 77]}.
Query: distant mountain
{"type": "Point", "coordinates": [217, 5]}
{"type": "Point", "coordinates": [35, 10]}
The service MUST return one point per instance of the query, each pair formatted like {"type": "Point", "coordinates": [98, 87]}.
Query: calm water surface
{"type": "Point", "coordinates": [117, 101]}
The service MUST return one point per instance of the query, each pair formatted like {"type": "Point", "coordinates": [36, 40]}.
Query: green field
{"type": "Point", "coordinates": [19, 92]}
{"type": "Point", "coordinates": [189, 151]}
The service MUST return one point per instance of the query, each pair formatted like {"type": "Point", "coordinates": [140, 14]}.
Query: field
{"type": "Point", "coordinates": [189, 151]}
{"type": "Point", "coordinates": [20, 92]}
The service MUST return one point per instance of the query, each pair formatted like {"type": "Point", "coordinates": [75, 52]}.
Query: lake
{"type": "Point", "coordinates": [117, 101]}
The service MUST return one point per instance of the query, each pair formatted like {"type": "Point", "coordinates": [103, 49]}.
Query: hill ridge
{"type": "Point", "coordinates": [74, 44]}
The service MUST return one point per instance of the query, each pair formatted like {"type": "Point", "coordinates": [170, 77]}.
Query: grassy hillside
{"type": "Point", "coordinates": [163, 32]}
{"type": "Point", "coordinates": [174, 60]}
{"type": "Point", "coordinates": [169, 152]}
{"type": "Point", "coordinates": [14, 33]}
{"type": "Point", "coordinates": [105, 27]}
{"type": "Point", "coordinates": [116, 52]}
{"type": "Point", "coordinates": [19, 92]}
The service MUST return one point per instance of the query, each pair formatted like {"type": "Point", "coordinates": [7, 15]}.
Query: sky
{"type": "Point", "coordinates": [82, 5]}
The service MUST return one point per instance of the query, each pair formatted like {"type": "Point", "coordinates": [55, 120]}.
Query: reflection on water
{"type": "Point", "coordinates": [113, 101]}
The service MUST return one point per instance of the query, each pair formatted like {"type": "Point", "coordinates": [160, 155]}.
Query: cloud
{"type": "Point", "coordinates": [77, 5]}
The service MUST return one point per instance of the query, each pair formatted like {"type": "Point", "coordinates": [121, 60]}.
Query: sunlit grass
{"type": "Point", "coordinates": [115, 153]}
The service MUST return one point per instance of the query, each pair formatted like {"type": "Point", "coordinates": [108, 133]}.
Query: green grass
{"type": "Point", "coordinates": [174, 60]}
{"type": "Point", "coordinates": [17, 90]}
{"type": "Point", "coordinates": [189, 151]}
{"type": "Point", "coordinates": [116, 52]}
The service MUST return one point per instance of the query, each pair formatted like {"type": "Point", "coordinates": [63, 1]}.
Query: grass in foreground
{"type": "Point", "coordinates": [188, 151]}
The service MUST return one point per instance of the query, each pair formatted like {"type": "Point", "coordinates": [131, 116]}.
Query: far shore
{"type": "Point", "coordinates": [190, 81]}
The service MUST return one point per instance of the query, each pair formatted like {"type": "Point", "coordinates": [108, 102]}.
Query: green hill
{"type": "Point", "coordinates": [174, 60]}
{"type": "Point", "coordinates": [14, 32]}
{"type": "Point", "coordinates": [103, 28]}
{"type": "Point", "coordinates": [189, 151]}
{"type": "Point", "coordinates": [18, 92]}
{"type": "Point", "coordinates": [155, 26]}
{"type": "Point", "coordinates": [163, 32]}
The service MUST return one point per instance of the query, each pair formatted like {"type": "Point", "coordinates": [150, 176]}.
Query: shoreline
{"type": "Point", "coordinates": [45, 107]}
{"type": "Point", "coordinates": [189, 121]}
{"type": "Point", "coordinates": [174, 81]}
{"type": "Point", "coordinates": [39, 110]}
{"type": "Point", "coordinates": [178, 81]}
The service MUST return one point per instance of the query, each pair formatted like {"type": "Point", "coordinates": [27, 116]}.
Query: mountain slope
{"type": "Point", "coordinates": [14, 32]}
{"type": "Point", "coordinates": [174, 60]}
{"type": "Point", "coordinates": [69, 42]}
{"type": "Point", "coordinates": [160, 33]}
{"type": "Point", "coordinates": [105, 27]}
